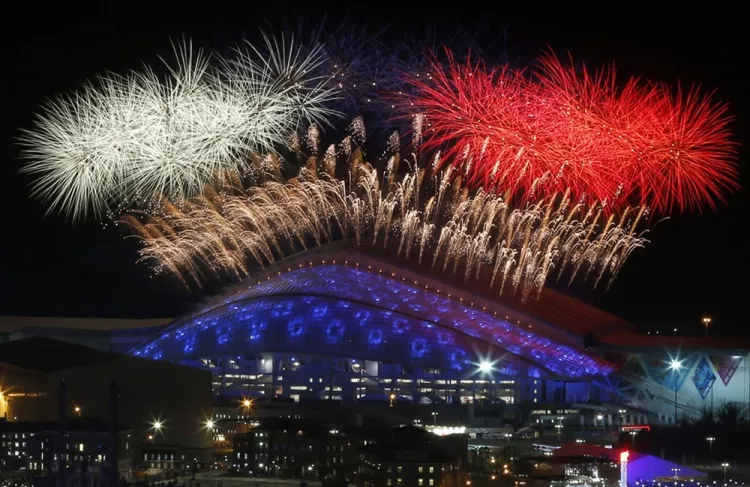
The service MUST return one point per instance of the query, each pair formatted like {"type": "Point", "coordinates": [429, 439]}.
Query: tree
{"type": "Point", "coordinates": [729, 414]}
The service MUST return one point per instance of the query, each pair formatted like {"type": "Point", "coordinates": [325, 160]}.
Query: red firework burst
{"type": "Point", "coordinates": [559, 129]}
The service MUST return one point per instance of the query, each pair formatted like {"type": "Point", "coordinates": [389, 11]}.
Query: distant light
{"type": "Point", "coordinates": [485, 366]}
{"type": "Point", "coordinates": [209, 424]}
{"type": "Point", "coordinates": [157, 425]}
{"type": "Point", "coordinates": [675, 364]}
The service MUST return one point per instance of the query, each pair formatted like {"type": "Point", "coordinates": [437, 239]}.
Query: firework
{"type": "Point", "coordinates": [559, 129]}
{"type": "Point", "coordinates": [415, 213]}
{"type": "Point", "coordinates": [126, 139]}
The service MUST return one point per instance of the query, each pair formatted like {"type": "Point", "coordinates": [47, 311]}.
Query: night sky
{"type": "Point", "coordinates": [695, 265]}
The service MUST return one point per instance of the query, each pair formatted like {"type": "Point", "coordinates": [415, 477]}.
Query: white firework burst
{"type": "Point", "coordinates": [126, 140]}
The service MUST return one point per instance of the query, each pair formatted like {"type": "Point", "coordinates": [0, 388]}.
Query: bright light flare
{"type": "Point", "coordinates": [675, 364]}
{"type": "Point", "coordinates": [486, 367]}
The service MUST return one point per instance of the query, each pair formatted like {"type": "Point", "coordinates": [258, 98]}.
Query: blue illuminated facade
{"type": "Point", "coordinates": [352, 330]}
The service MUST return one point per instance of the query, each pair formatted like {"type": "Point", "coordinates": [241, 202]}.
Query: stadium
{"type": "Point", "coordinates": [354, 325]}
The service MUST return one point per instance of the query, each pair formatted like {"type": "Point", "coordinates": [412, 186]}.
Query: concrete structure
{"type": "Point", "coordinates": [31, 371]}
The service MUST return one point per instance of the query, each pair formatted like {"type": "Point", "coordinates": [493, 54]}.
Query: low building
{"type": "Point", "coordinates": [411, 456]}
{"type": "Point", "coordinates": [32, 372]}
{"type": "Point", "coordinates": [297, 449]}
{"type": "Point", "coordinates": [36, 448]}
{"type": "Point", "coordinates": [390, 466]}
{"type": "Point", "coordinates": [159, 458]}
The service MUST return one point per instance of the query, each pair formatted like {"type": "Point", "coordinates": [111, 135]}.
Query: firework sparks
{"type": "Point", "coordinates": [415, 213]}
{"type": "Point", "coordinates": [126, 139]}
{"type": "Point", "coordinates": [559, 129]}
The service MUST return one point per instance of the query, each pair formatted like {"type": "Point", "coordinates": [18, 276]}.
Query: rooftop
{"type": "Point", "coordinates": [9, 324]}
{"type": "Point", "coordinates": [88, 425]}
{"type": "Point", "coordinates": [47, 355]}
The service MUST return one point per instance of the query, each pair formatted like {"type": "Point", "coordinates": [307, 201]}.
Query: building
{"type": "Point", "coordinates": [377, 330]}
{"type": "Point", "coordinates": [356, 326]}
{"type": "Point", "coordinates": [35, 447]}
{"type": "Point", "coordinates": [168, 458]}
{"type": "Point", "coordinates": [33, 371]}
{"type": "Point", "coordinates": [385, 329]}
{"type": "Point", "coordinates": [410, 456]}
{"type": "Point", "coordinates": [111, 335]}
{"type": "Point", "coordinates": [295, 448]}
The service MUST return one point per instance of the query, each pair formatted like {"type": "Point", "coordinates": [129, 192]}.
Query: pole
{"type": "Point", "coordinates": [62, 398]}
{"type": "Point", "coordinates": [674, 379]}
{"type": "Point", "coordinates": [114, 445]}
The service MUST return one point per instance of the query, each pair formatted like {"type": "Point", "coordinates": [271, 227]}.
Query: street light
{"type": "Point", "coordinates": [247, 405]}
{"type": "Point", "coordinates": [632, 437]}
{"type": "Point", "coordinates": [155, 429]}
{"type": "Point", "coordinates": [706, 320]}
{"type": "Point", "coordinates": [724, 466]}
{"type": "Point", "coordinates": [392, 398]}
{"type": "Point", "coordinates": [77, 410]}
{"type": "Point", "coordinates": [434, 418]}
{"type": "Point", "coordinates": [710, 440]}
{"type": "Point", "coordinates": [674, 366]}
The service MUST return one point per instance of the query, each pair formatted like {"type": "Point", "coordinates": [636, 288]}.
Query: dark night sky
{"type": "Point", "coordinates": [695, 264]}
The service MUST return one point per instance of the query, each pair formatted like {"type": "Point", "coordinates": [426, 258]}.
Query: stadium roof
{"type": "Point", "coordinates": [567, 318]}
{"type": "Point", "coordinates": [367, 283]}
{"type": "Point", "coordinates": [633, 342]}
